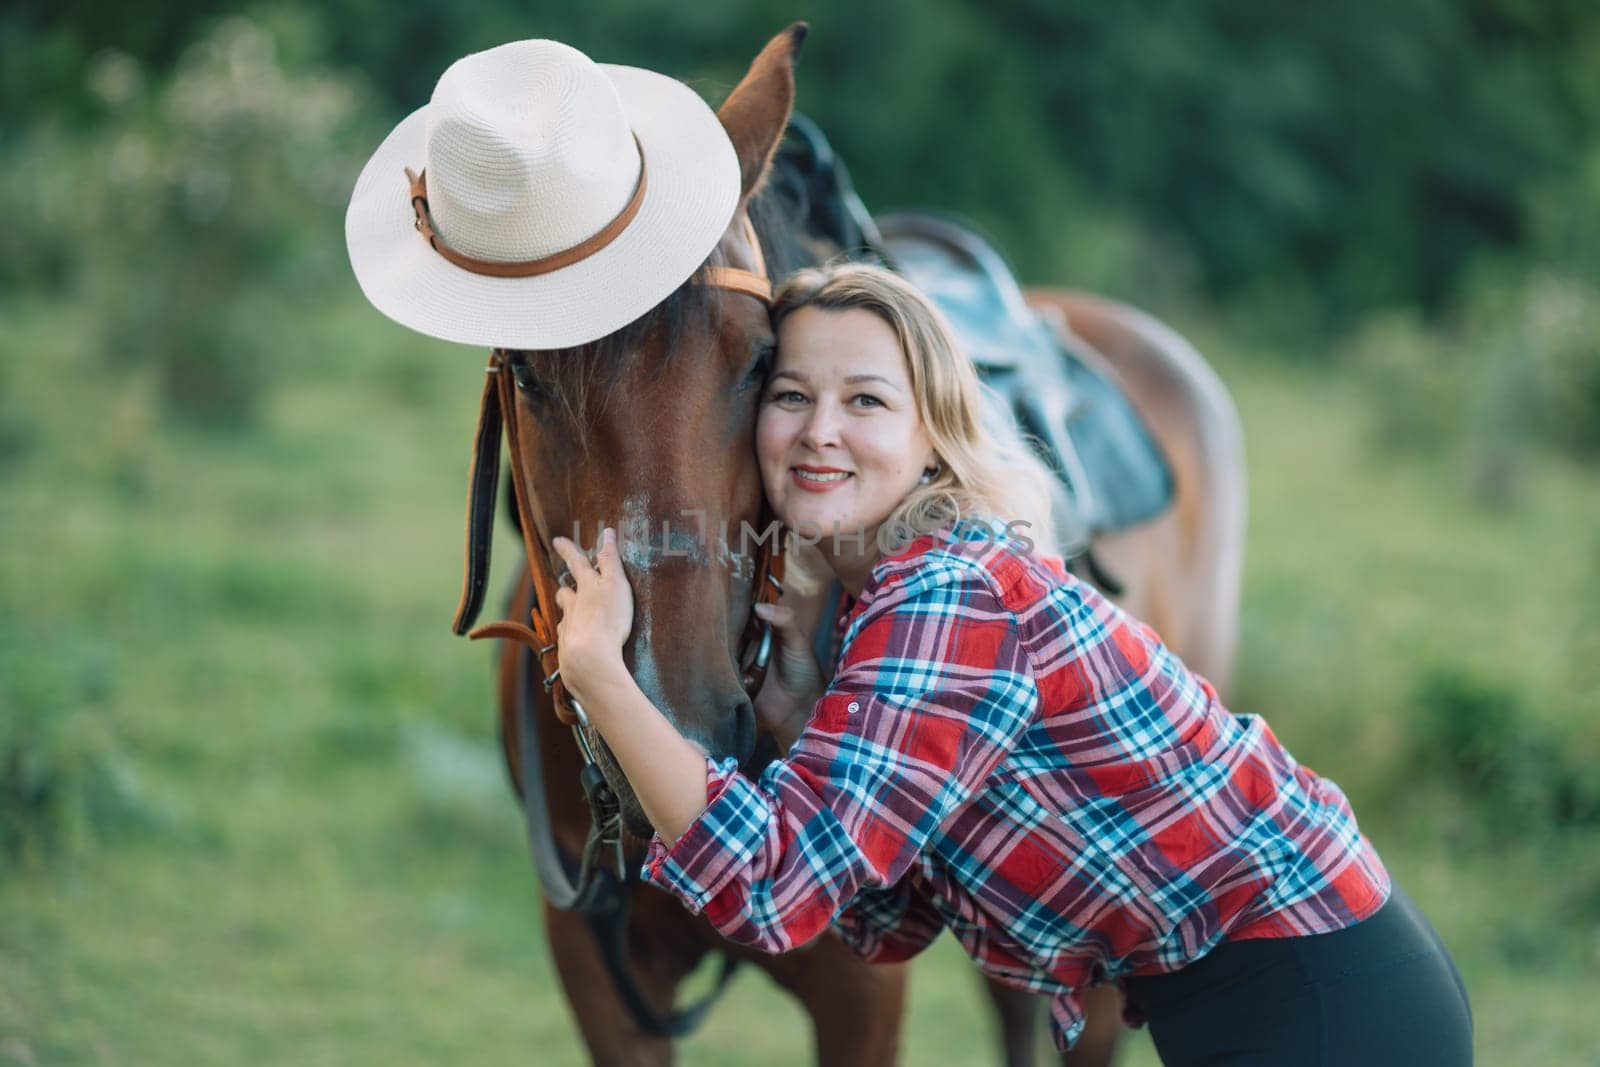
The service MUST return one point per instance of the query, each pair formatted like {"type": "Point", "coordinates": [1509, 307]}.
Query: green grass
{"type": "Point", "coordinates": [280, 832]}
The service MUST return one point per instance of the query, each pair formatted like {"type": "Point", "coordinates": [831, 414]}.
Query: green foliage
{"type": "Point", "coordinates": [1512, 366]}
{"type": "Point", "coordinates": [63, 782]}
{"type": "Point", "coordinates": [199, 224]}
{"type": "Point", "coordinates": [1422, 386]}
{"type": "Point", "coordinates": [1520, 775]}
{"type": "Point", "coordinates": [1338, 159]}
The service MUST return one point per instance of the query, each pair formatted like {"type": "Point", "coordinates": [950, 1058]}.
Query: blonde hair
{"type": "Point", "coordinates": [986, 467]}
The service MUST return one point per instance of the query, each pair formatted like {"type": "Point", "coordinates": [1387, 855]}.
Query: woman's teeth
{"type": "Point", "coordinates": [817, 476]}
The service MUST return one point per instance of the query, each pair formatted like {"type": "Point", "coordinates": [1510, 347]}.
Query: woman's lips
{"type": "Point", "coordinates": [818, 481]}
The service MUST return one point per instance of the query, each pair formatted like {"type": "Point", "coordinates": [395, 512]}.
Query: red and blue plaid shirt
{"type": "Point", "coordinates": [1005, 753]}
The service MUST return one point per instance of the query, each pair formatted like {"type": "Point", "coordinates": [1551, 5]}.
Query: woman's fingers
{"type": "Point", "coordinates": [609, 559]}
{"type": "Point", "coordinates": [564, 599]}
{"type": "Point", "coordinates": [577, 563]}
{"type": "Point", "coordinates": [781, 616]}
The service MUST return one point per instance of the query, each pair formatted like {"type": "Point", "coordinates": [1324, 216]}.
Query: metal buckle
{"type": "Point", "coordinates": [583, 721]}
{"type": "Point", "coordinates": [763, 650]}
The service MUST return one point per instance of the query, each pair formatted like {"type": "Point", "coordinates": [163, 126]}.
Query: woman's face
{"type": "Point", "coordinates": [839, 438]}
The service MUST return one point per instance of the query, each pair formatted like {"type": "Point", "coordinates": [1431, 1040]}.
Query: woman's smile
{"type": "Point", "coordinates": [818, 479]}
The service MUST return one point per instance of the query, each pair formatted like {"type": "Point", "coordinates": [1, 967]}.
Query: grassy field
{"type": "Point", "coordinates": [258, 811]}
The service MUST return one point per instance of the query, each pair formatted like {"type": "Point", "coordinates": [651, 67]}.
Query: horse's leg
{"type": "Point", "coordinates": [1181, 570]}
{"type": "Point", "coordinates": [608, 1029]}
{"type": "Point", "coordinates": [855, 1007]}
{"type": "Point", "coordinates": [1097, 1045]}
{"type": "Point", "coordinates": [1018, 1012]}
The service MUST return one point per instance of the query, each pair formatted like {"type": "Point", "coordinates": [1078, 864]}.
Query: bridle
{"type": "Point", "coordinates": [497, 416]}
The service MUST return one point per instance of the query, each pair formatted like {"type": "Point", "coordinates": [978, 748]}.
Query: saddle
{"type": "Point", "coordinates": [1039, 378]}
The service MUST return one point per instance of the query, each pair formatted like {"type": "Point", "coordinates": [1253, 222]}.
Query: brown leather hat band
{"type": "Point", "coordinates": [530, 267]}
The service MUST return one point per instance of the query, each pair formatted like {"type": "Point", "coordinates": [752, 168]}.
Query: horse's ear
{"type": "Point", "coordinates": [757, 111]}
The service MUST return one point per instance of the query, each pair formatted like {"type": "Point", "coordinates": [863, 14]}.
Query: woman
{"type": "Point", "coordinates": [1001, 750]}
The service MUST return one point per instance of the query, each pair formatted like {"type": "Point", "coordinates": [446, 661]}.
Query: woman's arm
{"type": "Point", "coordinates": [667, 772]}
{"type": "Point", "coordinates": [793, 686]}
{"type": "Point", "coordinates": [933, 689]}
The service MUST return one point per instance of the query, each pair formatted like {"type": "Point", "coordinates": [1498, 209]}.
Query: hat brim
{"type": "Point", "coordinates": [690, 197]}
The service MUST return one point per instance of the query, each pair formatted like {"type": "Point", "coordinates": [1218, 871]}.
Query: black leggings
{"type": "Point", "coordinates": [1383, 992]}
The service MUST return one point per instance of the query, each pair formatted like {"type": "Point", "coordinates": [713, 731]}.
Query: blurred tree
{"type": "Point", "coordinates": [1318, 160]}
{"type": "Point", "coordinates": [199, 224]}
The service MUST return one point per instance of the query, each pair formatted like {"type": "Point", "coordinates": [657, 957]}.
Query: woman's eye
{"type": "Point", "coordinates": [786, 396]}
{"type": "Point", "coordinates": [867, 400]}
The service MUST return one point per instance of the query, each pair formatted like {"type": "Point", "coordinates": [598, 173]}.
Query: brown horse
{"type": "Point", "coordinates": [655, 423]}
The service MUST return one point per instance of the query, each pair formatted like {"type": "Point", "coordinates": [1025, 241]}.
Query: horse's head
{"type": "Point", "coordinates": [651, 430]}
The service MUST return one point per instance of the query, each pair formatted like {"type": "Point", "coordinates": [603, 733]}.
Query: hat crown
{"type": "Point", "coordinates": [529, 152]}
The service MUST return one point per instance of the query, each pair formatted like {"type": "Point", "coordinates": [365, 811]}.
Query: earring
{"type": "Point", "coordinates": [930, 473]}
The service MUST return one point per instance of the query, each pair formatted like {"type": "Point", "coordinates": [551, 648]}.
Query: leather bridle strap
{"type": "Point", "coordinates": [483, 480]}
{"type": "Point", "coordinates": [605, 813]}
{"type": "Point", "coordinates": [754, 282]}
{"type": "Point", "coordinates": [541, 637]}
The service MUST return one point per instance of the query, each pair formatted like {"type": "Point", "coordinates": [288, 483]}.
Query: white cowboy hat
{"type": "Point", "coordinates": [558, 199]}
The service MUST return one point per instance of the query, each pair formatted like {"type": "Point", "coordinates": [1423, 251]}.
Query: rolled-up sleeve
{"type": "Point", "coordinates": [932, 688]}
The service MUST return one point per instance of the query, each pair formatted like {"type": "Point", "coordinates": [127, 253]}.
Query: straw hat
{"type": "Point", "coordinates": [540, 200]}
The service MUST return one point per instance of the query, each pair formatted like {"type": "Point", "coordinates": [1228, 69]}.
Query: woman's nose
{"type": "Point", "coordinates": [821, 427]}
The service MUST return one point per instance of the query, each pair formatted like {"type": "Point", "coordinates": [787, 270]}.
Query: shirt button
{"type": "Point", "coordinates": [852, 707]}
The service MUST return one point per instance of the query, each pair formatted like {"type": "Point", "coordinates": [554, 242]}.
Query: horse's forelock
{"type": "Point", "coordinates": [580, 376]}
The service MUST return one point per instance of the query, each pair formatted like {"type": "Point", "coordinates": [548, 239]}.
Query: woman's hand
{"type": "Point", "coordinates": [794, 684]}
{"type": "Point", "coordinates": [596, 616]}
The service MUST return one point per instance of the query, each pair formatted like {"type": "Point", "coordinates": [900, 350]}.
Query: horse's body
{"type": "Point", "coordinates": [652, 445]}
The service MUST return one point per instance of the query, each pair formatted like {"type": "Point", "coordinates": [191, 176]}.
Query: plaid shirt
{"type": "Point", "coordinates": [1004, 752]}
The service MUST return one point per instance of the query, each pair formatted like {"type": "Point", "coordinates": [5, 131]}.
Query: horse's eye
{"type": "Point", "coordinates": [527, 381]}
{"type": "Point", "coordinates": [760, 365]}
